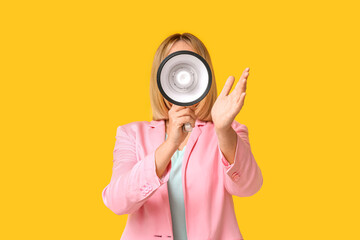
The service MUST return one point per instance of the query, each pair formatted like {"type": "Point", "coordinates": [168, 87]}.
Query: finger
{"type": "Point", "coordinates": [245, 73]}
{"type": "Point", "coordinates": [193, 106]}
{"type": "Point", "coordinates": [186, 112]}
{"type": "Point", "coordinates": [187, 119]}
{"type": "Point", "coordinates": [228, 84]}
{"type": "Point", "coordinates": [241, 100]}
{"type": "Point", "coordinates": [243, 86]}
{"type": "Point", "coordinates": [193, 114]}
{"type": "Point", "coordinates": [177, 107]}
{"type": "Point", "coordinates": [240, 84]}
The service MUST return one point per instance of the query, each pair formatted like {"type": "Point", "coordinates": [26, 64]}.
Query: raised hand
{"type": "Point", "coordinates": [227, 106]}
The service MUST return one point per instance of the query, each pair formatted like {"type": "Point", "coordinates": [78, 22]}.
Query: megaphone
{"type": "Point", "coordinates": [184, 78]}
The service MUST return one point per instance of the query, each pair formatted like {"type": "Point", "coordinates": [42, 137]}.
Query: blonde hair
{"type": "Point", "coordinates": [160, 106]}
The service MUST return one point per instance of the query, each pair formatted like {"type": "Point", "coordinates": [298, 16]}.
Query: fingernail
{"type": "Point", "coordinates": [247, 69]}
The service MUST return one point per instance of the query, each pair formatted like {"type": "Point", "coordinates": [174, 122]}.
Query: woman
{"type": "Point", "coordinates": [176, 184]}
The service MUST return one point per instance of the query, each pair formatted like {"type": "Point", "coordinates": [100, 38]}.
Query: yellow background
{"type": "Point", "coordinates": [72, 71]}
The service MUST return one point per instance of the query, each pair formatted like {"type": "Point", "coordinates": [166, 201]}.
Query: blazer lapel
{"type": "Point", "coordinates": [156, 133]}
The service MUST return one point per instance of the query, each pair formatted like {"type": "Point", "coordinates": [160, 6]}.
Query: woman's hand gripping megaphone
{"type": "Point", "coordinates": [179, 116]}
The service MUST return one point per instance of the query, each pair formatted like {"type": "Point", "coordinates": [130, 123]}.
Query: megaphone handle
{"type": "Point", "coordinates": [187, 127]}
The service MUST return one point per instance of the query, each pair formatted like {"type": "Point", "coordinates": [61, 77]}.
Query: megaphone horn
{"type": "Point", "coordinates": [184, 78]}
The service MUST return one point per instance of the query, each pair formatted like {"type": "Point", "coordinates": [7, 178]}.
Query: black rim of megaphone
{"type": "Point", "coordinates": [162, 64]}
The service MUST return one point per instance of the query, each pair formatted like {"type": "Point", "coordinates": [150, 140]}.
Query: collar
{"type": "Point", "coordinates": [156, 123]}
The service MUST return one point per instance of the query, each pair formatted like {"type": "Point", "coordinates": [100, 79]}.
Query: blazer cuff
{"type": "Point", "coordinates": [233, 170]}
{"type": "Point", "coordinates": [151, 169]}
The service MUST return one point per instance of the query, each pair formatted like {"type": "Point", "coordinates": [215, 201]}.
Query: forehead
{"type": "Point", "coordinates": [181, 45]}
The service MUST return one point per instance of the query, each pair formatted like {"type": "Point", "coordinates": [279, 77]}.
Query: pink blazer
{"type": "Point", "coordinates": [208, 182]}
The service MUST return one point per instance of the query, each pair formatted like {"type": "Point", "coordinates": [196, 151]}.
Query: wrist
{"type": "Point", "coordinates": [223, 129]}
{"type": "Point", "coordinates": [171, 144]}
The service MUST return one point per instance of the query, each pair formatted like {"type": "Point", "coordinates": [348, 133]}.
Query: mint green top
{"type": "Point", "coordinates": [176, 197]}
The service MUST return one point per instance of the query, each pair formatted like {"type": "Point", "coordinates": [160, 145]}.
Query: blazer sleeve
{"type": "Point", "coordinates": [133, 181]}
{"type": "Point", "coordinates": [243, 177]}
